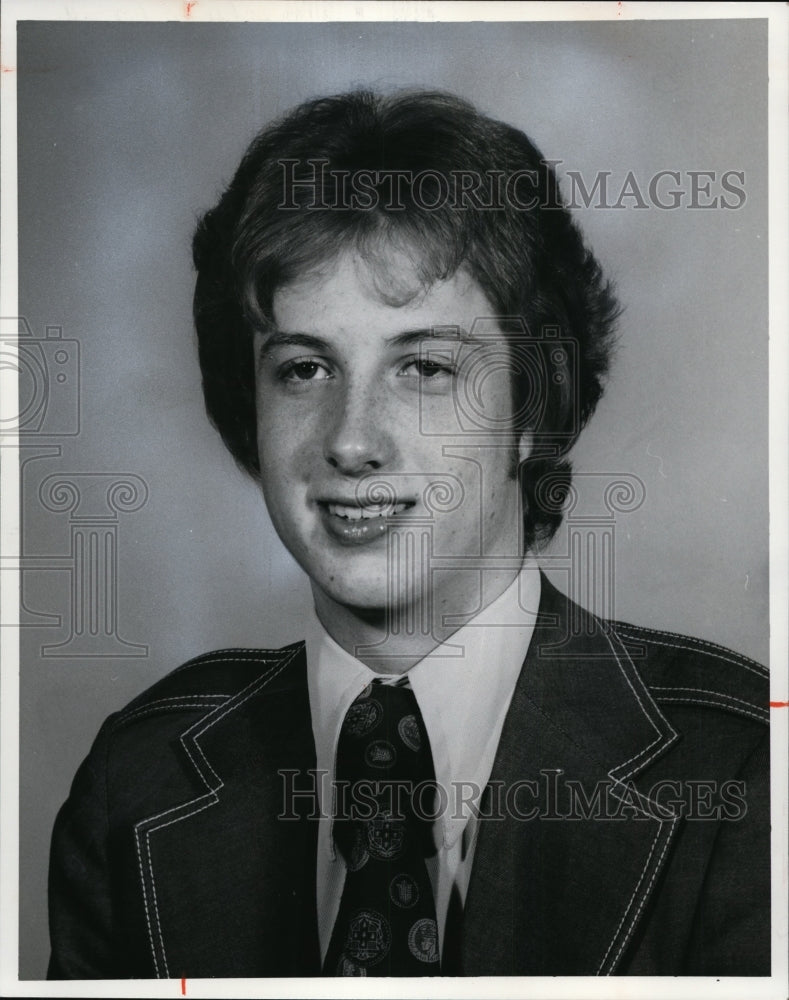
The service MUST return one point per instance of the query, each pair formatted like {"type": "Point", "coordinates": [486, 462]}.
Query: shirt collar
{"type": "Point", "coordinates": [463, 688]}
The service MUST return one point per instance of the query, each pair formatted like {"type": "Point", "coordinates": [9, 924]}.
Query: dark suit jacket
{"type": "Point", "coordinates": [168, 858]}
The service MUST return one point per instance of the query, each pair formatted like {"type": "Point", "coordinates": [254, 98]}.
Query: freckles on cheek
{"type": "Point", "coordinates": [287, 448]}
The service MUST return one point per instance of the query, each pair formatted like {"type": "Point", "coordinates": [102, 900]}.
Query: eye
{"type": "Point", "coordinates": [428, 368]}
{"type": "Point", "coordinates": [304, 370]}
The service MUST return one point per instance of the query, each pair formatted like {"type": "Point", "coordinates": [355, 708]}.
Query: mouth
{"type": "Point", "coordinates": [366, 512]}
{"type": "Point", "coordinates": [354, 523]}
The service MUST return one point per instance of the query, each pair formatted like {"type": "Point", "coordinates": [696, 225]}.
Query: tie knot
{"type": "Point", "coordinates": [383, 737]}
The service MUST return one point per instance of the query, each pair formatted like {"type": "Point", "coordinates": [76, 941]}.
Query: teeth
{"type": "Point", "coordinates": [368, 511]}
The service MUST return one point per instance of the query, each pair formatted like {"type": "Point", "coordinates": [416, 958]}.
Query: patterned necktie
{"type": "Point", "coordinates": [386, 924]}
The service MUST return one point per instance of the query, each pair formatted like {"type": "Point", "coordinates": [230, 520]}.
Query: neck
{"type": "Point", "coordinates": [392, 640]}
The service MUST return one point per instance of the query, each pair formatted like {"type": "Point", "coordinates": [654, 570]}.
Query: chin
{"type": "Point", "coordinates": [367, 595]}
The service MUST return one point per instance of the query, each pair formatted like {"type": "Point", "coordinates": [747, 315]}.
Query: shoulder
{"type": "Point", "coordinates": [706, 706]}
{"type": "Point", "coordinates": [146, 737]}
{"type": "Point", "coordinates": [210, 681]}
{"type": "Point", "coordinates": [714, 701]}
{"type": "Point", "coordinates": [683, 670]}
{"type": "Point", "coordinates": [678, 671]}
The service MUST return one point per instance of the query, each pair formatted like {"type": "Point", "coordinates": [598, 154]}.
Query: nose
{"type": "Point", "coordinates": [358, 437]}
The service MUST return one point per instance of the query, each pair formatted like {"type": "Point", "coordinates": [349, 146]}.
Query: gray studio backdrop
{"type": "Point", "coordinates": [128, 131]}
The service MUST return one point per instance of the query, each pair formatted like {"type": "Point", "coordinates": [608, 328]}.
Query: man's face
{"type": "Point", "coordinates": [356, 402]}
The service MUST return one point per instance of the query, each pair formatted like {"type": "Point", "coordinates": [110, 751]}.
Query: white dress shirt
{"type": "Point", "coordinates": [463, 689]}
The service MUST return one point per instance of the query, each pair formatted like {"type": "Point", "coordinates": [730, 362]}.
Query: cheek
{"type": "Point", "coordinates": [283, 433]}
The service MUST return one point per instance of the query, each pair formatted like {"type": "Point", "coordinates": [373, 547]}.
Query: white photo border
{"type": "Point", "coordinates": [206, 11]}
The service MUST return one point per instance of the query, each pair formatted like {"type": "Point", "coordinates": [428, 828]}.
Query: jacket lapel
{"type": "Point", "coordinates": [229, 887]}
{"type": "Point", "coordinates": [552, 892]}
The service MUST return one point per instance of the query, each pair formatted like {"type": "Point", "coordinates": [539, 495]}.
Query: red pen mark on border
{"type": "Point", "coordinates": [183, 986]}
{"type": "Point", "coordinates": [779, 704]}
{"type": "Point", "coordinates": [188, 7]}
{"type": "Point", "coordinates": [9, 69]}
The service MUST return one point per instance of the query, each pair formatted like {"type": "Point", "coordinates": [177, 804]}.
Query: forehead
{"type": "Point", "coordinates": [351, 290]}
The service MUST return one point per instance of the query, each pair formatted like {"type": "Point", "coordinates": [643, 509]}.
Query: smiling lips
{"type": "Point", "coordinates": [364, 512]}
{"type": "Point", "coordinates": [355, 523]}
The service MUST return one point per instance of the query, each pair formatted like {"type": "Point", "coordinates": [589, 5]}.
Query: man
{"type": "Point", "coordinates": [460, 772]}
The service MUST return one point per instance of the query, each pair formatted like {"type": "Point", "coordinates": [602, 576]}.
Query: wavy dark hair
{"type": "Point", "coordinates": [292, 206]}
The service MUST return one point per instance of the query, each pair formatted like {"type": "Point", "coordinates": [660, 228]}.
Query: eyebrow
{"type": "Point", "coordinates": [284, 338]}
{"type": "Point", "coordinates": [280, 338]}
{"type": "Point", "coordinates": [444, 332]}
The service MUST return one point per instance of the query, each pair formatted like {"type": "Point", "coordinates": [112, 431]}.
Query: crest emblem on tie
{"type": "Point", "coordinates": [346, 967]}
{"type": "Point", "coordinates": [357, 856]}
{"type": "Point", "coordinates": [368, 938]}
{"type": "Point", "coordinates": [409, 732]}
{"type": "Point", "coordinates": [404, 891]}
{"type": "Point", "coordinates": [362, 717]}
{"type": "Point", "coordinates": [385, 837]}
{"type": "Point", "coordinates": [381, 754]}
{"type": "Point", "coordinates": [423, 940]}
